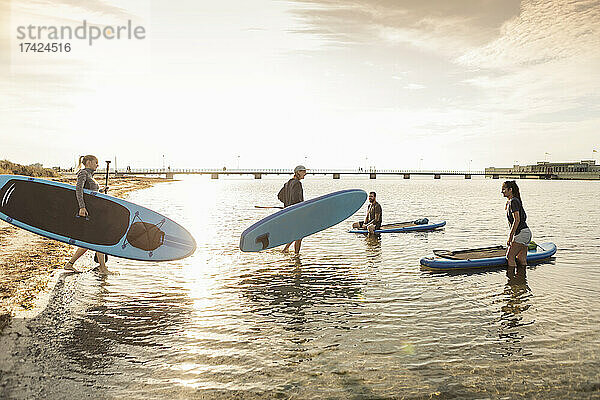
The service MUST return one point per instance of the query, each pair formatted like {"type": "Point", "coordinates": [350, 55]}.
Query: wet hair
{"type": "Point", "coordinates": [515, 189]}
{"type": "Point", "coordinates": [373, 193]}
{"type": "Point", "coordinates": [85, 159]}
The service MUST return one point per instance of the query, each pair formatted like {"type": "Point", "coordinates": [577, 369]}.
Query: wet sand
{"type": "Point", "coordinates": [30, 264]}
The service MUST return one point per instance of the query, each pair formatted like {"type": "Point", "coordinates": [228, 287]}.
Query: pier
{"type": "Point", "coordinates": [584, 170]}
{"type": "Point", "coordinates": [335, 173]}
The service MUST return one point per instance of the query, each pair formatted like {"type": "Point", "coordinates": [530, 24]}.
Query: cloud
{"type": "Point", "coordinates": [544, 32]}
{"type": "Point", "coordinates": [427, 24]}
{"type": "Point", "coordinates": [545, 60]}
{"type": "Point", "coordinates": [89, 6]}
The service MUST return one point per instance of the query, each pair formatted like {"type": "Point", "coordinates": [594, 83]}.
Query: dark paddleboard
{"type": "Point", "coordinates": [114, 226]}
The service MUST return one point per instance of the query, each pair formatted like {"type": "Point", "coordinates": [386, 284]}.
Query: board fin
{"type": "Point", "coordinates": [264, 240]}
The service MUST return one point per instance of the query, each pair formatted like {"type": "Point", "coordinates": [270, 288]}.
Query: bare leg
{"type": "Point", "coordinates": [521, 257]}
{"type": "Point", "coordinates": [371, 230]}
{"type": "Point", "coordinates": [297, 246]}
{"type": "Point", "coordinates": [516, 252]}
{"type": "Point", "coordinates": [78, 253]}
{"type": "Point", "coordinates": [102, 263]}
{"type": "Point", "coordinates": [287, 247]}
{"type": "Point", "coordinates": [511, 254]}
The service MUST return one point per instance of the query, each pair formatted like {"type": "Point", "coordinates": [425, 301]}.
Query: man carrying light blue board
{"type": "Point", "coordinates": [374, 217]}
{"type": "Point", "coordinates": [292, 193]}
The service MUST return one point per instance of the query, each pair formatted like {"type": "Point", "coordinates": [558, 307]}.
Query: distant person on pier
{"type": "Point", "coordinates": [85, 180]}
{"type": "Point", "coordinates": [520, 235]}
{"type": "Point", "coordinates": [374, 216]}
{"type": "Point", "coordinates": [292, 193]}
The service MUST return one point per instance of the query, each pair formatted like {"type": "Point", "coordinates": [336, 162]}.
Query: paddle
{"type": "Point", "coordinates": [281, 208]}
{"type": "Point", "coordinates": [105, 192]}
{"type": "Point", "coordinates": [106, 180]}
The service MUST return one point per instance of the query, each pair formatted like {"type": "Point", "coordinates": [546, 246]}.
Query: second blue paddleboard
{"type": "Point", "coordinates": [541, 252]}
{"type": "Point", "coordinates": [302, 219]}
{"type": "Point", "coordinates": [404, 227]}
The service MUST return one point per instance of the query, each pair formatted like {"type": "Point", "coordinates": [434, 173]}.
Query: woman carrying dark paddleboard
{"type": "Point", "coordinates": [520, 235]}
{"type": "Point", "coordinates": [85, 180]}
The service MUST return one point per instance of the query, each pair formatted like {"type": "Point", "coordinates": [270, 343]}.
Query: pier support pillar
{"type": "Point", "coordinates": [257, 176]}
{"type": "Point", "coordinates": [372, 176]}
{"type": "Point", "coordinates": [437, 176]}
{"type": "Point", "coordinates": [169, 175]}
{"type": "Point", "coordinates": [467, 176]}
{"type": "Point", "coordinates": [336, 176]}
{"type": "Point", "coordinates": [214, 176]}
{"type": "Point", "coordinates": [406, 176]}
{"type": "Point", "coordinates": [495, 176]}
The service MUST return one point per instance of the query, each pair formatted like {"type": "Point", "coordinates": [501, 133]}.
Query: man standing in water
{"type": "Point", "coordinates": [292, 193]}
{"type": "Point", "coordinates": [374, 217]}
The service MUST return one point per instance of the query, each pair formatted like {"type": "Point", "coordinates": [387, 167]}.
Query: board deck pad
{"type": "Point", "coordinates": [114, 226]}
{"type": "Point", "coordinates": [482, 252]}
{"type": "Point", "coordinates": [302, 219]}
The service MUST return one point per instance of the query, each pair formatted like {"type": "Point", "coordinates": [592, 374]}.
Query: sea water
{"type": "Point", "coordinates": [351, 317]}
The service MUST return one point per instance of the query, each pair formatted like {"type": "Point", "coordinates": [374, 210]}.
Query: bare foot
{"type": "Point", "coordinates": [102, 270]}
{"type": "Point", "coordinates": [70, 267]}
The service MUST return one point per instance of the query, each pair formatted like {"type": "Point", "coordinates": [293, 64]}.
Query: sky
{"type": "Point", "coordinates": [411, 84]}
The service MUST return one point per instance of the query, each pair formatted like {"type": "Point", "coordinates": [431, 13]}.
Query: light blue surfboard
{"type": "Point", "coordinates": [114, 226]}
{"type": "Point", "coordinates": [302, 219]}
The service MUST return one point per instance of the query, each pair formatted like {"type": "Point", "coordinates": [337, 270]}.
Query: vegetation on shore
{"type": "Point", "coordinates": [10, 168]}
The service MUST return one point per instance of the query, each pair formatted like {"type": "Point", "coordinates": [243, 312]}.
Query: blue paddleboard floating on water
{"type": "Point", "coordinates": [483, 257]}
{"type": "Point", "coordinates": [114, 226]}
{"type": "Point", "coordinates": [408, 226]}
{"type": "Point", "coordinates": [302, 219]}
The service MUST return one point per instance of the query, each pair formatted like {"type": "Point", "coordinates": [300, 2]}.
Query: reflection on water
{"type": "Point", "coordinates": [298, 295]}
{"type": "Point", "coordinates": [517, 296]}
{"type": "Point", "coordinates": [351, 317]}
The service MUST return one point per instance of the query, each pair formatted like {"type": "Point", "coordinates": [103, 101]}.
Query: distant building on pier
{"type": "Point", "coordinates": [584, 169]}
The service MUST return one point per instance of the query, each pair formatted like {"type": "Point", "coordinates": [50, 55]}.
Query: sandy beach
{"type": "Point", "coordinates": [30, 264]}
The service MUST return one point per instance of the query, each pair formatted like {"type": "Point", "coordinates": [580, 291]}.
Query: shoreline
{"type": "Point", "coordinates": [30, 265]}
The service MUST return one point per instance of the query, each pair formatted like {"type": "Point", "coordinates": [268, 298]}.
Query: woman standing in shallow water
{"type": "Point", "coordinates": [85, 180]}
{"type": "Point", "coordinates": [520, 235]}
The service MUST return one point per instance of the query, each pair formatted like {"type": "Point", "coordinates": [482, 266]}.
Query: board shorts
{"type": "Point", "coordinates": [524, 237]}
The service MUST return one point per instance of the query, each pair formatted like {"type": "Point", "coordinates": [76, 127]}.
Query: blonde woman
{"type": "Point", "coordinates": [85, 180]}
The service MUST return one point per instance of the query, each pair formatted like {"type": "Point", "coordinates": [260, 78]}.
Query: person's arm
{"type": "Point", "coordinates": [513, 229]}
{"type": "Point", "coordinates": [367, 216]}
{"type": "Point", "coordinates": [376, 218]}
{"type": "Point", "coordinates": [516, 219]}
{"type": "Point", "coordinates": [81, 178]}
